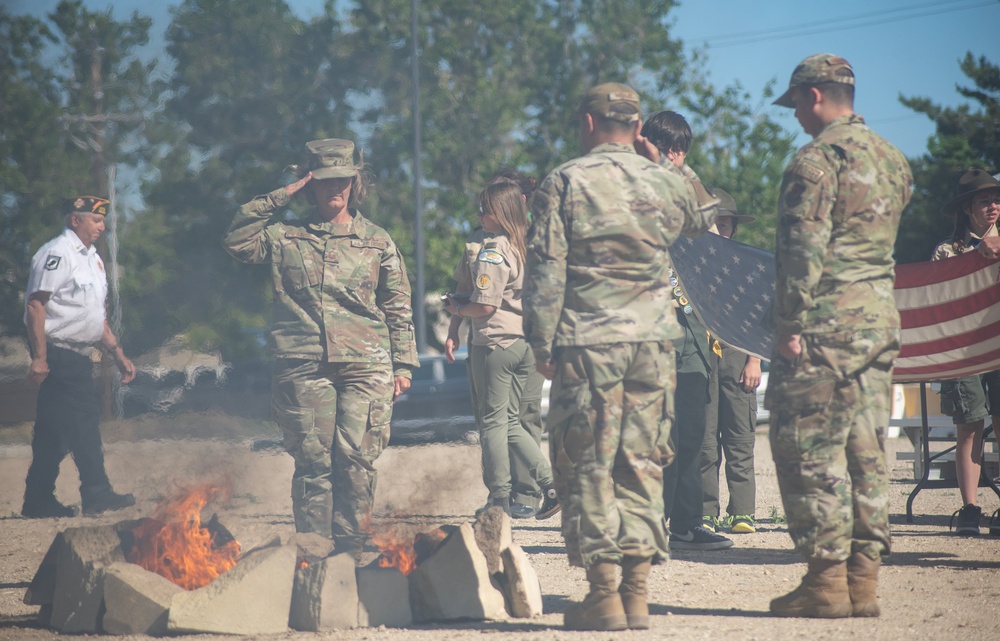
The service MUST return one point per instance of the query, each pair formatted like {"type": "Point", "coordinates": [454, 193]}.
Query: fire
{"type": "Point", "coordinates": [175, 544]}
{"type": "Point", "coordinates": [396, 549]}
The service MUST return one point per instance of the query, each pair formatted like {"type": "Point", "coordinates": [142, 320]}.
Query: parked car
{"type": "Point", "coordinates": [438, 405]}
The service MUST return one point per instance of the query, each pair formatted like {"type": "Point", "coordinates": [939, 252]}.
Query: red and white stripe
{"type": "Point", "coordinates": [950, 314]}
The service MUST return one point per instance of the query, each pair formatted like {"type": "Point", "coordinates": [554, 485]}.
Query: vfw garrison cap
{"type": "Point", "coordinates": [815, 70]}
{"type": "Point", "coordinates": [331, 158]}
{"type": "Point", "coordinates": [612, 100]}
{"type": "Point", "coordinates": [86, 205]}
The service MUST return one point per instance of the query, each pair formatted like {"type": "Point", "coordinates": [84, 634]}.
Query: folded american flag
{"type": "Point", "coordinates": [949, 309]}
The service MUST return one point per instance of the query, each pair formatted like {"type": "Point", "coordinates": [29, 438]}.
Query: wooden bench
{"type": "Point", "coordinates": [933, 467]}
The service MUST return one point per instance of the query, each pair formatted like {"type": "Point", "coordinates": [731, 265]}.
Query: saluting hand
{"type": "Point", "coordinates": [646, 149]}
{"type": "Point", "coordinates": [294, 187]}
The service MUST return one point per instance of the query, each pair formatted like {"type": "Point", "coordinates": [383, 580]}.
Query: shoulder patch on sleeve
{"type": "Point", "coordinates": [808, 170]}
{"type": "Point", "coordinates": [52, 263]}
{"type": "Point", "coordinates": [483, 281]}
{"type": "Point", "coordinates": [490, 256]}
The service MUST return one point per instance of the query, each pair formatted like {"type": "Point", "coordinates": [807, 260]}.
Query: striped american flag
{"type": "Point", "coordinates": [949, 309]}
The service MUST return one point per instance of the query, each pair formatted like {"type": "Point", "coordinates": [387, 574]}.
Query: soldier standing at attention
{"type": "Point", "coordinates": [341, 334]}
{"type": "Point", "coordinates": [598, 319]}
{"type": "Point", "coordinates": [837, 334]}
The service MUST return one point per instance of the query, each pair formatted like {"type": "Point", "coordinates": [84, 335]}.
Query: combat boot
{"type": "Point", "coordinates": [862, 583]}
{"type": "Point", "coordinates": [602, 608]}
{"type": "Point", "coordinates": [635, 572]}
{"type": "Point", "coordinates": [822, 594]}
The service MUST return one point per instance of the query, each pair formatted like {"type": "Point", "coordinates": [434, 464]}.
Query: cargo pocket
{"type": "Point", "coordinates": [298, 428]}
{"type": "Point", "coordinates": [952, 401]}
{"type": "Point", "coordinates": [377, 431]}
{"type": "Point", "coordinates": [570, 413]}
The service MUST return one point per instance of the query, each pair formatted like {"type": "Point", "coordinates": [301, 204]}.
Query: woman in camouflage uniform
{"type": "Point", "coordinates": [969, 400]}
{"type": "Point", "coordinates": [342, 337]}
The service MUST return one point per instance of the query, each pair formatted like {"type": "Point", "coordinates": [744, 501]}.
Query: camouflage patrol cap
{"type": "Point", "coordinates": [86, 205]}
{"type": "Point", "coordinates": [611, 100]}
{"type": "Point", "coordinates": [727, 207]}
{"type": "Point", "coordinates": [815, 70]}
{"type": "Point", "coordinates": [331, 158]}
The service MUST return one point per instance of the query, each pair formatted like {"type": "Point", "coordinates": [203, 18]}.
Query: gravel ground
{"type": "Point", "coordinates": [934, 586]}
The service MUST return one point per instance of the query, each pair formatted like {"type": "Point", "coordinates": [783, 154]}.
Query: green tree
{"type": "Point", "coordinates": [966, 136]}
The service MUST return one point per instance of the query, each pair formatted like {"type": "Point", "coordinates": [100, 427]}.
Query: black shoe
{"type": "Point", "coordinates": [502, 502]}
{"type": "Point", "coordinates": [106, 501]}
{"type": "Point", "coordinates": [47, 508]}
{"type": "Point", "coordinates": [699, 538]}
{"type": "Point", "coordinates": [550, 504]}
{"type": "Point", "coordinates": [968, 520]}
{"type": "Point", "coordinates": [522, 511]}
{"type": "Point", "coordinates": [995, 524]}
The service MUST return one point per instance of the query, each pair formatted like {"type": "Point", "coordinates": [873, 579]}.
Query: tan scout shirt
{"type": "Point", "coordinates": [946, 249]}
{"type": "Point", "coordinates": [497, 277]}
{"type": "Point", "coordinates": [340, 291]}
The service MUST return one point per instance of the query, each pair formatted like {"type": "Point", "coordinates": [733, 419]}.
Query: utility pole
{"type": "Point", "coordinates": [419, 314]}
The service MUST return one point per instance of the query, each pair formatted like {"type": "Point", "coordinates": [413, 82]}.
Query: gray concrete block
{"type": "Point", "coordinates": [383, 597]}
{"type": "Point", "coordinates": [325, 595]}
{"type": "Point", "coordinates": [524, 592]}
{"type": "Point", "coordinates": [137, 601]}
{"type": "Point", "coordinates": [42, 589]}
{"type": "Point", "coordinates": [79, 588]}
{"type": "Point", "coordinates": [454, 583]}
{"type": "Point", "coordinates": [493, 535]}
{"type": "Point", "coordinates": [252, 598]}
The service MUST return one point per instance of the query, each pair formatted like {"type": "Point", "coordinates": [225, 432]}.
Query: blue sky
{"type": "Point", "coordinates": [897, 47]}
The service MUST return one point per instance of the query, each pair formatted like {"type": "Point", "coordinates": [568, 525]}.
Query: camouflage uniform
{"type": "Point", "coordinates": [839, 210]}
{"type": "Point", "coordinates": [597, 304]}
{"type": "Point", "coordinates": [341, 328]}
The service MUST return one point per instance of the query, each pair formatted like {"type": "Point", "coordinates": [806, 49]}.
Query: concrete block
{"type": "Point", "coordinates": [524, 592]}
{"type": "Point", "coordinates": [137, 601]}
{"type": "Point", "coordinates": [325, 595]}
{"type": "Point", "coordinates": [311, 546]}
{"type": "Point", "coordinates": [254, 597]}
{"type": "Point", "coordinates": [454, 583]}
{"type": "Point", "coordinates": [79, 590]}
{"type": "Point", "coordinates": [493, 536]}
{"type": "Point", "coordinates": [42, 589]}
{"type": "Point", "coordinates": [383, 597]}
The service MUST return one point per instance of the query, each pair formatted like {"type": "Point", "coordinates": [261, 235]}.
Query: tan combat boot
{"type": "Point", "coordinates": [635, 571]}
{"type": "Point", "coordinates": [823, 593]}
{"type": "Point", "coordinates": [862, 581]}
{"type": "Point", "coordinates": [602, 608]}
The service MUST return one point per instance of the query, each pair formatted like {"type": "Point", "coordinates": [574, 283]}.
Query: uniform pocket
{"type": "Point", "coordinates": [298, 428]}
{"type": "Point", "coordinates": [298, 268]}
{"type": "Point", "coordinates": [376, 436]}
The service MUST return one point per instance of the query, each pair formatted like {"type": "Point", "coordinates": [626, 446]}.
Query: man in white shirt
{"type": "Point", "coordinates": [65, 317]}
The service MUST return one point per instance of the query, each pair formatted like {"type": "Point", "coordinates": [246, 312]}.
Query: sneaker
{"type": "Point", "coordinates": [968, 520]}
{"type": "Point", "coordinates": [550, 504]}
{"type": "Point", "coordinates": [502, 502]}
{"type": "Point", "coordinates": [521, 511]}
{"type": "Point", "coordinates": [742, 524]}
{"type": "Point", "coordinates": [698, 538]}
{"type": "Point", "coordinates": [106, 501]}
{"type": "Point", "coordinates": [711, 523]}
{"type": "Point", "coordinates": [47, 508]}
{"type": "Point", "coordinates": [995, 524]}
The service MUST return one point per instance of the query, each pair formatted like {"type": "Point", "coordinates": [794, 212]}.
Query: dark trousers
{"type": "Point", "coordinates": [67, 421]}
{"type": "Point", "coordinates": [682, 494]}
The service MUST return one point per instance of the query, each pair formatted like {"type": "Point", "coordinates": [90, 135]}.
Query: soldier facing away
{"type": "Point", "coordinates": [837, 334]}
{"type": "Point", "coordinates": [598, 318]}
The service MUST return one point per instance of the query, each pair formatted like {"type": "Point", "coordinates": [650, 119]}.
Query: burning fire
{"type": "Point", "coordinates": [175, 544]}
{"type": "Point", "coordinates": [396, 548]}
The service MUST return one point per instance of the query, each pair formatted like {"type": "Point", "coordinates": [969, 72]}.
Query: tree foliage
{"type": "Point", "coordinates": [966, 136]}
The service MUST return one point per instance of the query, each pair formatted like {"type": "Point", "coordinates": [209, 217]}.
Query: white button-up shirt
{"type": "Point", "coordinates": [73, 274]}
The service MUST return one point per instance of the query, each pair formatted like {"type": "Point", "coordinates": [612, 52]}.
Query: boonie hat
{"type": "Point", "coordinates": [612, 100]}
{"type": "Point", "coordinates": [972, 182]}
{"type": "Point", "coordinates": [331, 158]}
{"type": "Point", "coordinates": [815, 70]}
{"type": "Point", "coordinates": [86, 205]}
{"type": "Point", "coordinates": [727, 207]}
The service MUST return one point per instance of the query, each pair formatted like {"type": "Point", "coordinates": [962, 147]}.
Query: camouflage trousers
{"type": "Point", "coordinates": [609, 421]}
{"type": "Point", "coordinates": [829, 413]}
{"type": "Point", "coordinates": [335, 420]}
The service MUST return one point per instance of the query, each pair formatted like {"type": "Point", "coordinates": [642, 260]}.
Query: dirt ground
{"type": "Point", "coordinates": [934, 586]}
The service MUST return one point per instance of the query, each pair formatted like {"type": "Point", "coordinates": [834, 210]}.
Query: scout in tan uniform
{"type": "Point", "coordinates": [342, 336]}
{"type": "Point", "coordinates": [501, 358]}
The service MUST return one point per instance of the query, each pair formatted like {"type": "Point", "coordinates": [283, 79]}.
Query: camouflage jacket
{"type": "Point", "coordinates": [597, 263]}
{"type": "Point", "coordinates": [340, 291]}
{"type": "Point", "coordinates": [841, 200]}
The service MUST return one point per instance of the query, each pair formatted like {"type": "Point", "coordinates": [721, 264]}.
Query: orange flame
{"type": "Point", "coordinates": [396, 549]}
{"type": "Point", "coordinates": [175, 545]}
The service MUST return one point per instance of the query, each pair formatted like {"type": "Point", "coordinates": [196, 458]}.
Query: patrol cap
{"type": "Point", "coordinates": [815, 70]}
{"type": "Point", "coordinates": [331, 158]}
{"type": "Point", "coordinates": [727, 207]}
{"type": "Point", "coordinates": [611, 100]}
{"type": "Point", "coordinates": [86, 205]}
{"type": "Point", "coordinates": [972, 182]}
